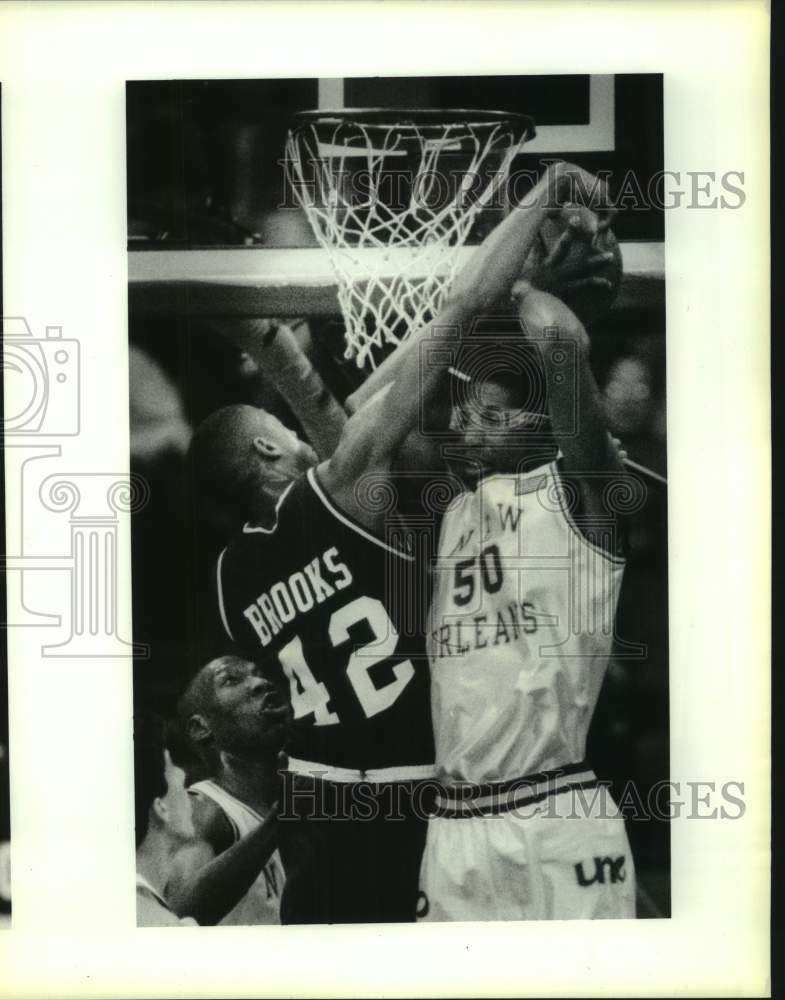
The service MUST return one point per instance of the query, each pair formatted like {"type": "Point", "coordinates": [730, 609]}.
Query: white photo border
{"type": "Point", "coordinates": [63, 69]}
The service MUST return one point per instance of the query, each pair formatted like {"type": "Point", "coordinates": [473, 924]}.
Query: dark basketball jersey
{"type": "Point", "coordinates": [337, 613]}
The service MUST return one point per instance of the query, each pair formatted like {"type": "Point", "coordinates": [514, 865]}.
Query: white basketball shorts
{"type": "Point", "coordinates": [550, 846]}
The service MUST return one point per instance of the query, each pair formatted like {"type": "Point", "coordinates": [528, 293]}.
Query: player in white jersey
{"type": "Point", "coordinates": [528, 577]}
{"type": "Point", "coordinates": [262, 903]}
{"type": "Point", "coordinates": [529, 567]}
{"type": "Point", "coordinates": [235, 720]}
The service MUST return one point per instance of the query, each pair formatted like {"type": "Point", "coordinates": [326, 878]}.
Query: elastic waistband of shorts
{"type": "Point", "coordinates": [466, 800]}
{"type": "Point", "coordinates": [374, 776]}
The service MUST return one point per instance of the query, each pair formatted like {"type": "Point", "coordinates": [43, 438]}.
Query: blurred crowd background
{"type": "Point", "coordinates": [216, 182]}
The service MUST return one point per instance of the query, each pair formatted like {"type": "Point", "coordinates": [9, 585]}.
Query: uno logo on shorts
{"type": "Point", "coordinates": [614, 867]}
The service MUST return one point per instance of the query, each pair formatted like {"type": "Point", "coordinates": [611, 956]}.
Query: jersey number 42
{"type": "Point", "coordinates": [309, 696]}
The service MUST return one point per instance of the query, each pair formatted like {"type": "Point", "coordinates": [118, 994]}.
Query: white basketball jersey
{"type": "Point", "coordinates": [520, 631]}
{"type": "Point", "coordinates": [262, 903]}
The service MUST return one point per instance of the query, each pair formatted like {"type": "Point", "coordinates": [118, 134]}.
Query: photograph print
{"type": "Point", "coordinates": [397, 413]}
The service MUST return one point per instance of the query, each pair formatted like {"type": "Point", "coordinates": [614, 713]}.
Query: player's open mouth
{"type": "Point", "coordinates": [272, 704]}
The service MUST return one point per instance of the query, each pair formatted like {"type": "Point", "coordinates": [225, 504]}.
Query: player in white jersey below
{"type": "Point", "coordinates": [165, 828]}
{"type": "Point", "coordinates": [235, 721]}
{"type": "Point", "coordinates": [527, 581]}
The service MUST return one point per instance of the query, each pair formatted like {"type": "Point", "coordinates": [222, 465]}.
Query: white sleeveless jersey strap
{"type": "Point", "coordinates": [242, 817]}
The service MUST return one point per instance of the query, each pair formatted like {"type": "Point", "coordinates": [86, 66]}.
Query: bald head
{"type": "Point", "coordinates": [231, 705]}
{"type": "Point", "coordinates": [199, 696]}
{"type": "Point", "coordinates": [197, 703]}
{"type": "Point", "coordinates": [242, 458]}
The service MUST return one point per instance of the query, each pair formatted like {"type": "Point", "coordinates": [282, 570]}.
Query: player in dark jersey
{"type": "Point", "coordinates": [321, 600]}
{"type": "Point", "coordinates": [315, 588]}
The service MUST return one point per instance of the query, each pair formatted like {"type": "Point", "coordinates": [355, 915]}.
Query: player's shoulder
{"type": "Point", "coordinates": [210, 821]}
{"type": "Point", "coordinates": [283, 521]}
{"type": "Point", "coordinates": [255, 552]}
{"type": "Point", "coordinates": [283, 513]}
{"type": "Point", "coordinates": [601, 532]}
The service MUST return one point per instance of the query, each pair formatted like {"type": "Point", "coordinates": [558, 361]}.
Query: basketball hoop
{"type": "Point", "coordinates": [392, 195]}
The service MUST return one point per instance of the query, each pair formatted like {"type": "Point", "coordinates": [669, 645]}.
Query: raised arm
{"type": "Point", "coordinates": [206, 884]}
{"type": "Point", "coordinates": [500, 259]}
{"type": "Point", "coordinates": [273, 346]}
{"type": "Point", "coordinates": [574, 401]}
{"type": "Point", "coordinates": [413, 374]}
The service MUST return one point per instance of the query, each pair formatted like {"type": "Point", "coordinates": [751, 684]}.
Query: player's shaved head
{"type": "Point", "coordinates": [241, 458]}
{"type": "Point", "coordinates": [199, 697]}
{"type": "Point", "coordinates": [225, 436]}
{"type": "Point", "coordinates": [230, 705]}
{"type": "Point", "coordinates": [221, 449]}
{"type": "Point", "coordinates": [196, 703]}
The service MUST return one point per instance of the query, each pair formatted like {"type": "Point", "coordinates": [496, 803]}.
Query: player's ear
{"type": "Point", "coordinates": [266, 449]}
{"type": "Point", "coordinates": [198, 729]}
{"type": "Point", "coordinates": [160, 811]}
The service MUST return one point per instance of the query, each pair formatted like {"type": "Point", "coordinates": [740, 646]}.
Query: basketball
{"type": "Point", "coordinates": [589, 302]}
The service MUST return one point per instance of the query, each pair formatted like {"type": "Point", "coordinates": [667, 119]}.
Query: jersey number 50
{"type": "Point", "coordinates": [490, 565]}
{"type": "Point", "coordinates": [311, 696]}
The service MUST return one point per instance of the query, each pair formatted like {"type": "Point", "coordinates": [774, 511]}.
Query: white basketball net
{"type": "Point", "coordinates": [394, 259]}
